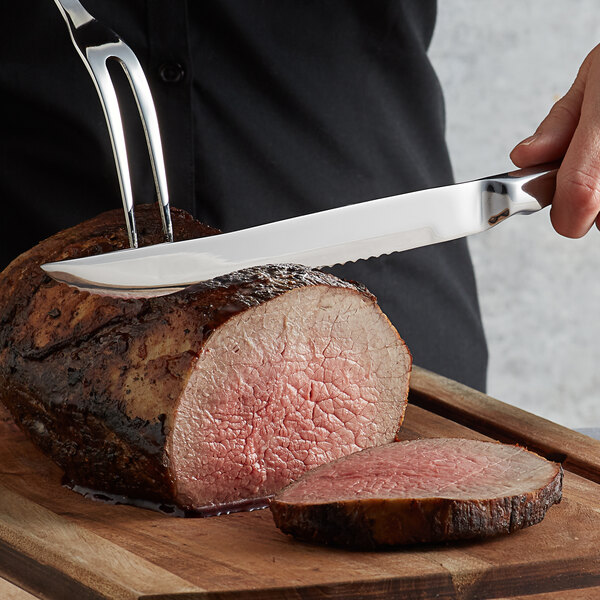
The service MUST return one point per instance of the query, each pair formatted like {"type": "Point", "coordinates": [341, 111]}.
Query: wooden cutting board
{"type": "Point", "coordinates": [58, 545]}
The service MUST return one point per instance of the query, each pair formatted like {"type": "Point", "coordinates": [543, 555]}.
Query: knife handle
{"type": "Point", "coordinates": [523, 191]}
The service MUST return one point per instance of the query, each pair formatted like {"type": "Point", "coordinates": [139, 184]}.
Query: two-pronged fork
{"type": "Point", "coordinates": [96, 44]}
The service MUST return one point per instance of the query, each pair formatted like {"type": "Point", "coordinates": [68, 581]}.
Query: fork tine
{"type": "Point", "coordinates": [110, 105]}
{"type": "Point", "coordinates": [141, 91]}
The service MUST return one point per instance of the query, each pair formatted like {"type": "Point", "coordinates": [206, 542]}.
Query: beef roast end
{"type": "Point", "coordinates": [303, 379]}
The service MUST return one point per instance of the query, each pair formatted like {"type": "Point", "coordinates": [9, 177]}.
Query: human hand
{"type": "Point", "coordinates": [571, 130]}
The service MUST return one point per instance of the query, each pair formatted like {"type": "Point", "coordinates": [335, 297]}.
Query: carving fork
{"type": "Point", "coordinates": [96, 44]}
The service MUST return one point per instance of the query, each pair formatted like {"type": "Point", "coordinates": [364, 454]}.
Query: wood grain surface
{"type": "Point", "coordinates": [58, 545]}
{"type": "Point", "coordinates": [580, 594]}
{"type": "Point", "coordinates": [8, 591]}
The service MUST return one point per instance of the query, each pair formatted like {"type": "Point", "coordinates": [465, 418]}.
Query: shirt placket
{"type": "Point", "coordinates": [170, 75]}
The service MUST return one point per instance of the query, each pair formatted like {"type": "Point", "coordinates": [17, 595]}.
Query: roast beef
{"type": "Point", "coordinates": [222, 393]}
{"type": "Point", "coordinates": [425, 490]}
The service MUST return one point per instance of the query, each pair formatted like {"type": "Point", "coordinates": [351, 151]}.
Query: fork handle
{"type": "Point", "coordinates": [73, 13]}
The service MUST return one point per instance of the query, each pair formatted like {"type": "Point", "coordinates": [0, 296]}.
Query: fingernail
{"type": "Point", "coordinates": [530, 140]}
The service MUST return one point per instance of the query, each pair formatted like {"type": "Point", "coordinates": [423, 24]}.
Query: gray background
{"type": "Point", "coordinates": [502, 65]}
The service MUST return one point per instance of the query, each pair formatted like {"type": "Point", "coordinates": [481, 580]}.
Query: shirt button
{"type": "Point", "coordinates": [171, 72]}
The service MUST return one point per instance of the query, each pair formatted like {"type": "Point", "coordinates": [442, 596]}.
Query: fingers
{"type": "Point", "coordinates": [571, 130]}
{"type": "Point", "coordinates": [576, 203]}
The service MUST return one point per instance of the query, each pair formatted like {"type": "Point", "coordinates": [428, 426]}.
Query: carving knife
{"type": "Point", "coordinates": [326, 238]}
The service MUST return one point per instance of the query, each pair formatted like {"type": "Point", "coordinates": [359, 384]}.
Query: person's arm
{"type": "Point", "coordinates": [571, 130]}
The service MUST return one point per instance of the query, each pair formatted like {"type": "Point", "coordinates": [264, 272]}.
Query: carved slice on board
{"type": "Point", "coordinates": [426, 490]}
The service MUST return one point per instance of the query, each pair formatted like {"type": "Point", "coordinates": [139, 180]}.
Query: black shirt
{"type": "Point", "coordinates": [268, 109]}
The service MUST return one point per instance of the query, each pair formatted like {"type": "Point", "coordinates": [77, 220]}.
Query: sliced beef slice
{"type": "Point", "coordinates": [426, 490]}
{"type": "Point", "coordinates": [221, 393]}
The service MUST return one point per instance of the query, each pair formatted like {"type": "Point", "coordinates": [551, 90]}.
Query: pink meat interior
{"type": "Point", "coordinates": [301, 380]}
{"type": "Point", "coordinates": [427, 468]}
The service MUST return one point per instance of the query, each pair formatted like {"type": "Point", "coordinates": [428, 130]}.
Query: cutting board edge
{"type": "Point", "coordinates": [504, 422]}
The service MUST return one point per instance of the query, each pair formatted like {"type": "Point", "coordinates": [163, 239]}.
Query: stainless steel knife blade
{"type": "Point", "coordinates": [336, 236]}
